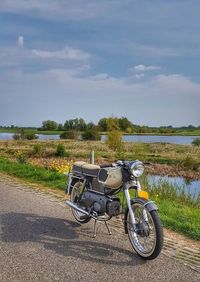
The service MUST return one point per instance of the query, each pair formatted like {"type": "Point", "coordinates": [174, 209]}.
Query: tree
{"type": "Point", "coordinates": [75, 124]}
{"type": "Point", "coordinates": [114, 137]}
{"type": "Point", "coordinates": [125, 124]}
{"type": "Point", "coordinates": [49, 125]}
{"type": "Point", "coordinates": [103, 124]}
{"type": "Point", "coordinates": [91, 133]}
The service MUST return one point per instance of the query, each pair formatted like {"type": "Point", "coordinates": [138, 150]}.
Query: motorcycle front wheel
{"type": "Point", "coordinates": [77, 189]}
{"type": "Point", "coordinates": [147, 236]}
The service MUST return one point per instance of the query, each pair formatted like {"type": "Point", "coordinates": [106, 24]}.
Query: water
{"type": "Point", "coordinates": [48, 137]}
{"type": "Point", "coordinates": [191, 187]}
{"type": "Point", "coordinates": [127, 138]}
{"type": "Point", "coordinates": [185, 140]}
{"type": "Point", "coordinates": [9, 136]}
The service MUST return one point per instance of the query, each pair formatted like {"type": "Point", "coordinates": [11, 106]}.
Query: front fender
{"type": "Point", "coordinates": [149, 205]}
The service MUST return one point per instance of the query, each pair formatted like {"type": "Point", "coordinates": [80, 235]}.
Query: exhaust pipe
{"type": "Point", "coordinates": [75, 207]}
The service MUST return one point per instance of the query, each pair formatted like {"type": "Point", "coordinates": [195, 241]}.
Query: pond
{"type": "Point", "coordinates": [191, 187]}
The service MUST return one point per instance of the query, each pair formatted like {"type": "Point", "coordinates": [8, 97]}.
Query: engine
{"type": "Point", "coordinates": [101, 203]}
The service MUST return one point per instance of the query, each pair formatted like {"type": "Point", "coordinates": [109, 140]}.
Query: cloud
{"type": "Point", "coordinates": [161, 100]}
{"type": "Point", "coordinates": [66, 53]}
{"type": "Point", "coordinates": [20, 41]}
{"type": "Point", "coordinates": [143, 68]}
{"type": "Point", "coordinates": [58, 10]}
{"type": "Point", "coordinates": [150, 50]}
{"type": "Point", "coordinates": [139, 75]}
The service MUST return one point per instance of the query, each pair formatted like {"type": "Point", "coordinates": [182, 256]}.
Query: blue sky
{"type": "Point", "coordinates": [92, 59]}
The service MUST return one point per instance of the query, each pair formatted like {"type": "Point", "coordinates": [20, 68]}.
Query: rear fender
{"type": "Point", "coordinates": [149, 205]}
{"type": "Point", "coordinates": [72, 179]}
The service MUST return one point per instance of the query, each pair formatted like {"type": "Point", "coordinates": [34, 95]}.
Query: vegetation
{"type": "Point", "coordinates": [33, 174]}
{"type": "Point", "coordinates": [91, 133]}
{"type": "Point", "coordinates": [70, 134]}
{"type": "Point", "coordinates": [60, 151]}
{"type": "Point", "coordinates": [125, 125]}
{"type": "Point", "coordinates": [196, 142]}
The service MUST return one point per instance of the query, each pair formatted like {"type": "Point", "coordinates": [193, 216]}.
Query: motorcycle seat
{"type": "Point", "coordinates": [86, 169]}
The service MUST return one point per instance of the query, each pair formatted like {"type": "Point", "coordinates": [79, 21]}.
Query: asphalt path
{"type": "Point", "coordinates": [40, 241]}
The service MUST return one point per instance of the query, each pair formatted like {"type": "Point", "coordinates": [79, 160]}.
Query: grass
{"type": "Point", "coordinates": [179, 210]}
{"type": "Point", "coordinates": [179, 217]}
{"type": "Point", "coordinates": [33, 174]}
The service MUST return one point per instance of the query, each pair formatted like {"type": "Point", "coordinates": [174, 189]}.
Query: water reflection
{"type": "Point", "coordinates": [191, 187]}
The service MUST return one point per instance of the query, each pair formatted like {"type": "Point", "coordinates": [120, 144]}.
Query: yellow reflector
{"type": "Point", "coordinates": [143, 194]}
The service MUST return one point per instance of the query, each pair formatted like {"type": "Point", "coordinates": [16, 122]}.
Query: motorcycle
{"type": "Point", "coordinates": [94, 191]}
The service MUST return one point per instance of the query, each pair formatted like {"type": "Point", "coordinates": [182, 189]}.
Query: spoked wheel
{"type": "Point", "coordinates": [75, 193]}
{"type": "Point", "coordinates": [147, 237]}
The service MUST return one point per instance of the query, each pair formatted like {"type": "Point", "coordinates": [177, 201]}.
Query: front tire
{"type": "Point", "coordinates": [77, 189]}
{"type": "Point", "coordinates": [147, 238]}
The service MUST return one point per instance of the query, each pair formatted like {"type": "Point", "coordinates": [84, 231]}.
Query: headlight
{"type": "Point", "coordinates": [137, 168]}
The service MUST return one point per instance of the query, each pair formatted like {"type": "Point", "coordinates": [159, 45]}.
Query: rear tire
{"type": "Point", "coordinates": [75, 192]}
{"type": "Point", "coordinates": [148, 245]}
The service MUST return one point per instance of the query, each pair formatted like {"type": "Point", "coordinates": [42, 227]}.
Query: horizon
{"type": "Point", "coordinates": [137, 59]}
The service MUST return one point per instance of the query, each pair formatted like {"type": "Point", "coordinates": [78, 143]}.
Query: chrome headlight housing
{"type": "Point", "coordinates": [136, 168]}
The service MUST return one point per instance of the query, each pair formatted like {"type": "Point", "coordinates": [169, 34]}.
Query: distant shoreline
{"type": "Point", "coordinates": [58, 132]}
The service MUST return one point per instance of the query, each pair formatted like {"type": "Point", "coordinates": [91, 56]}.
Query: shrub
{"type": "Point", "coordinates": [30, 136]}
{"type": "Point", "coordinates": [69, 134]}
{"type": "Point", "coordinates": [60, 150]}
{"type": "Point", "coordinates": [21, 156]}
{"type": "Point", "coordinates": [91, 134]}
{"type": "Point", "coordinates": [38, 149]}
{"type": "Point", "coordinates": [196, 142]}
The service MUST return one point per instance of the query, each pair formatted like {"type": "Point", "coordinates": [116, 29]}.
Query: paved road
{"type": "Point", "coordinates": [40, 241]}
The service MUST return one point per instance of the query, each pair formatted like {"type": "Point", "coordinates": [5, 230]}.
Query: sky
{"type": "Point", "coordinates": [91, 59]}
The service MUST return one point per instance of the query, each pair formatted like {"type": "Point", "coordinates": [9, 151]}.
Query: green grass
{"type": "Point", "coordinates": [179, 217]}
{"type": "Point", "coordinates": [33, 174]}
{"type": "Point", "coordinates": [179, 210]}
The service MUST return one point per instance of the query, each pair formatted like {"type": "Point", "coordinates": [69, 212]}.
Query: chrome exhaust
{"type": "Point", "coordinates": [75, 207]}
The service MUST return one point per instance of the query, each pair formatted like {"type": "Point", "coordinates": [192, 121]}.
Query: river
{"type": "Point", "coordinates": [127, 138]}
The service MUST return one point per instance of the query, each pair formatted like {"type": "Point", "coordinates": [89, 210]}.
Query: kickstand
{"type": "Point", "coordinates": [109, 231]}
{"type": "Point", "coordinates": [95, 228]}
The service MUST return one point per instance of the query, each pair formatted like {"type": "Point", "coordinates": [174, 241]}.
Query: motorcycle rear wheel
{"type": "Point", "coordinates": [75, 192]}
{"type": "Point", "coordinates": [147, 241]}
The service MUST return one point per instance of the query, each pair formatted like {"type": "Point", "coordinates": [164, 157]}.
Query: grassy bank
{"type": "Point", "coordinates": [184, 160]}
{"type": "Point", "coordinates": [33, 174]}
{"type": "Point", "coordinates": [178, 213]}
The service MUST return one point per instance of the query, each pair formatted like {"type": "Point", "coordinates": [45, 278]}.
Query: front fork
{"type": "Point", "coordinates": [128, 199]}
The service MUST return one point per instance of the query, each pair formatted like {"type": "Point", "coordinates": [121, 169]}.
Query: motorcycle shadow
{"type": "Point", "coordinates": [63, 237]}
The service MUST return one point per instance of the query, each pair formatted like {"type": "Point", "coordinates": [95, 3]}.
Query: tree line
{"type": "Point", "coordinates": [123, 124]}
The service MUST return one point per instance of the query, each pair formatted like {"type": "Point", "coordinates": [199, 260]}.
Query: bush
{"type": "Point", "coordinates": [69, 134]}
{"type": "Point", "coordinates": [196, 142]}
{"type": "Point", "coordinates": [60, 151]}
{"type": "Point", "coordinates": [38, 149]}
{"type": "Point", "coordinates": [91, 134]}
{"type": "Point", "coordinates": [21, 156]}
{"type": "Point", "coordinates": [30, 136]}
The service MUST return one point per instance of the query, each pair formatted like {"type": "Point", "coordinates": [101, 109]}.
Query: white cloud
{"type": "Point", "coordinates": [165, 99]}
{"type": "Point", "coordinates": [139, 75]}
{"type": "Point", "coordinates": [20, 41]}
{"type": "Point", "coordinates": [143, 68]}
{"type": "Point", "coordinates": [66, 53]}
